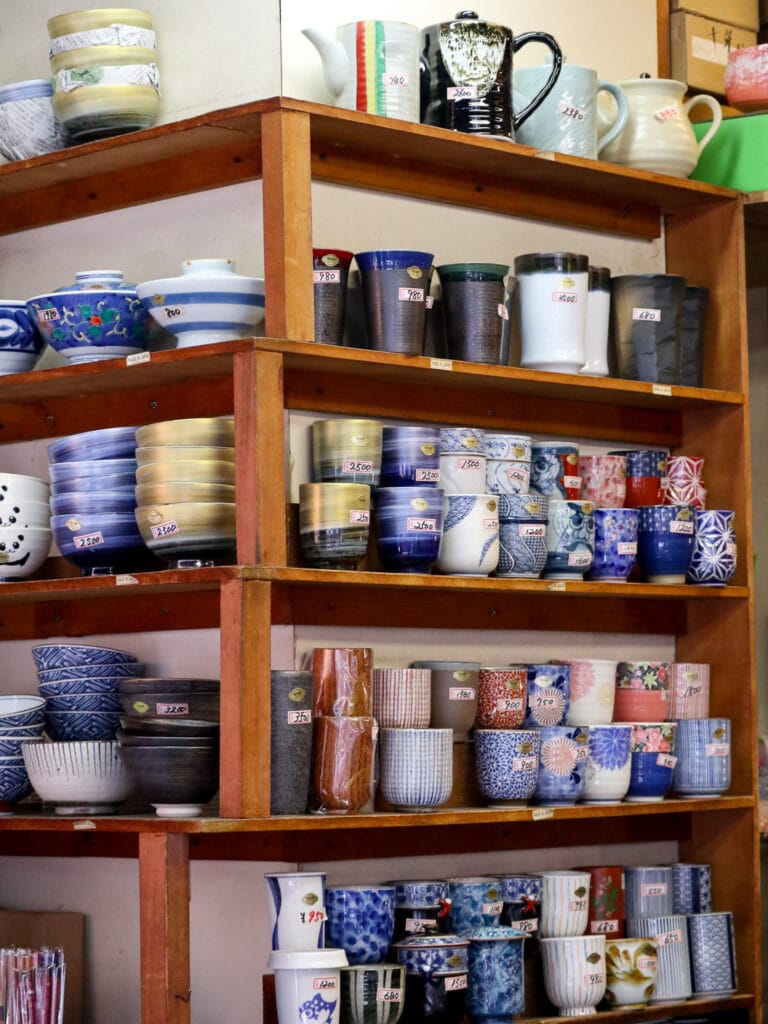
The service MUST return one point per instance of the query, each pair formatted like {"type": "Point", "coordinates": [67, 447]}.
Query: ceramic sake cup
{"type": "Point", "coordinates": [642, 691]}
{"type": "Point", "coordinates": [395, 283]}
{"type": "Point", "coordinates": [570, 540]}
{"type": "Point", "coordinates": [432, 954]}
{"type": "Point", "coordinates": [462, 460]}
{"type": "Point", "coordinates": [713, 954]}
{"type": "Point", "coordinates": [402, 697]}
{"type": "Point", "coordinates": [564, 903]}
{"type": "Point", "coordinates": [685, 485]}
{"type": "Point", "coordinates": [574, 973]}
{"type": "Point", "coordinates": [410, 455]}
{"type": "Point", "coordinates": [592, 691]}
{"type": "Point", "coordinates": [360, 920]}
{"type": "Point", "coordinates": [501, 697]}
{"type": "Point", "coordinates": [615, 544]}
{"type": "Point", "coordinates": [652, 761]}
{"type": "Point", "coordinates": [297, 909]}
{"type": "Point", "coordinates": [496, 990]}
{"type": "Point", "coordinates": [475, 903]}
{"type": "Point", "coordinates": [453, 696]}
{"type": "Point", "coordinates": [476, 311]}
{"type": "Point", "coordinates": [713, 562]}
{"type": "Point", "coordinates": [673, 977]}
{"type": "Point", "coordinates": [666, 535]}
{"type": "Point", "coordinates": [416, 768]}
{"type": "Point", "coordinates": [689, 690]}
{"type": "Point", "coordinates": [648, 890]}
{"type": "Point", "coordinates": [691, 888]}
{"type": "Point", "coordinates": [334, 522]}
{"type": "Point", "coordinates": [308, 983]}
{"type": "Point", "coordinates": [330, 269]}
{"type": "Point", "coordinates": [555, 469]}
{"type": "Point", "coordinates": [548, 695]}
{"type": "Point", "coordinates": [346, 451]}
{"type": "Point", "coordinates": [630, 967]}
{"type": "Point", "coordinates": [522, 535]}
{"type": "Point", "coordinates": [507, 764]}
{"type": "Point", "coordinates": [372, 993]}
{"type": "Point", "coordinates": [603, 479]}
{"type": "Point", "coordinates": [606, 900]}
{"type": "Point", "coordinates": [562, 765]}
{"type": "Point", "coordinates": [703, 749]}
{"type": "Point", "coordinates": [470, 545]}
{"type": "Point", "coordinates": [608, 763]}
{"type": "Point", "coordinates": [646, 476]}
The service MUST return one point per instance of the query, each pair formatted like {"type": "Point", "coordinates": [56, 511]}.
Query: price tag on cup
{"type": "Point", "coordinates": [523, 764]}
{"type": "Point", "coordinates": [653, 889]}
{"type": "Point", "coordinates": [395, 78]}
{"type": "Point", "coordinates": [626, 547]}
{"type": "Point", "coordinates": [594, 979]}
{"type": "Point", "coordinates": [681, 526]}
{"type": "Point", "coordinates": [461, 693]}
{"type": "Point", "coordinates": [389, 995]}
{"type": "Point", "coordinates": [88, 540]}
{"type": "Point", "coordinates": [454, 984]}
{"type": "Point", "coordinates": [510, 704]}
{"type": "Point", "coordinates": [603, 927]}
{"type": "Point", "coordinates": [718, 749]}
{"type": "Point", "coordinates": [300, 717]}
{"type": "Point", "coordinates": [427, 476]}
{"type": "Point", "coordinates": [359, 517]}
{"type": "Point", "coordinates": [312, 916]}
{"type": "Point", "coordinates": [531, 924]}
{"type": "Point", "coordinates": [418, 925]}
{"type": "Point", "coordinates": [419, 524]}
{"type": "Point", "coordinates": [410, 294]}
{"type": "Point", "coordinates": [357, 466]}
{"type": "Point", "coordinates": [493, 908]}
{"type": "Point", "coordinates": [571, 112]}
{"type": "Point", "coordinates": [326, 984]}
{"type": "Point", "coordinates": [670, 938]}
{"type": "Point", "coordinates": [461, 92]}
{"type": "Point", "coordinates": [641, 313]}
{"type": "Point", "coordinates": [165, 529]}
{"type": "Point", "coordinates": [666, 760]}
{"type": "Point", "coordinates": [328, 276]}
{"type": "Point", "coordinates": [580, 559]}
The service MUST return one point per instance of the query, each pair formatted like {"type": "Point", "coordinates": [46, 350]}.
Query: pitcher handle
{"type": "Point", "coordinates": [621, 115]}
{"type": "Point", "coordinates": [557, 63]}
{"type": "Point", "coordinates": [717, 116]}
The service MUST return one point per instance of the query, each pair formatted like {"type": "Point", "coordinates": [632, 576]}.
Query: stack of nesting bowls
{"type": "Point", "coordinates": [105, 74]}
{"type": "Point", "coordinates": [92, 501]}
{"type": "Point", "coordinates": [22, 720]}
{"type": "Point", "coordinates": [185, 490]}
{"type": "Point", "coordinates": [25, 527]}
{"type": "Point", "coordinates": [80, 684]}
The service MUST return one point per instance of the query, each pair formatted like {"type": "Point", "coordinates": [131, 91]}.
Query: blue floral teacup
{"type": "Point", "coordinates": [361, 920]}
{"type": "Point", "coordinates": [507, 762]}
{"type": "Point", "coordinates": [570, 540]}
{"type": "Point", "coordinates": [549, 695]}
{"type": "Point", "coordinates": [608, 763]}
{"type": "Point", "coordinates": [475, 903]}
{"type": "Point", "coordinates": [615, 544]}
{"type": "Point", "coordinates": [562, 764]}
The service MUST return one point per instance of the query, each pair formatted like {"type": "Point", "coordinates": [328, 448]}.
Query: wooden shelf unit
{"type": "Point", "coordinates": [289, 144]}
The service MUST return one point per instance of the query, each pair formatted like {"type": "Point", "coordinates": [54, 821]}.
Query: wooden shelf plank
{"type": "Point", "coordinates": [663, 1012]}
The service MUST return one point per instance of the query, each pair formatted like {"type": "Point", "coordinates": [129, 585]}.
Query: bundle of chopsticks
{"type": "Point", "coordinates": [32, 986]}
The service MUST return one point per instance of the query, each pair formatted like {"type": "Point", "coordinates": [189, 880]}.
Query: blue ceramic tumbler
{"type": "Point", "coordinates": [615, 544]}
{"type": "Point", "coordinates": [410, 455]}
{"type": "Point", "coordinates": [361, 921]}
{"type": "Point", "coordinates": [409, 527]}
{"type": "Point", "coordinates": [665, 540]}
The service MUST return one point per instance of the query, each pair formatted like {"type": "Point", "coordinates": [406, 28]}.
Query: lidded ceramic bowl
{"type": "Point", "coordinates": [207, 303]}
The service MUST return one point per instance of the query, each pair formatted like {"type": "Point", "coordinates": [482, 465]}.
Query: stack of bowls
{"type": "Point", "coordinates": [22, 719]}
{"type": "Point", "coordinates": [92, 501]}
{"type": "Point", "coordinates": [25, 528]}
{"type": "Point", "coordinates": [105, 74]}
{"type": "Point", "coordinates": [80, 683]}
{"type": "Point", "coordinates": [185, 490]}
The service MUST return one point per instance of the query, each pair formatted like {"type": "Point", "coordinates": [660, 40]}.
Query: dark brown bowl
{"type": "Point", "coordinates": [139, 684]}
{"type": "Point", "coordinates": [148, 740]}
{"type": "Point", "coordinates": [172, 775]}
{"type": "Point", "coordinates": [153, 726]}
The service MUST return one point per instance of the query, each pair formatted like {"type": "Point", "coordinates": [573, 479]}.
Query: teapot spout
{"type": "Point", "coordinates": [335, 61]}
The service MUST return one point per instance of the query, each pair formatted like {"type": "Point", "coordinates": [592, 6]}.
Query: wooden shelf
{"type": "Point", "coordinates": [692, 1008]}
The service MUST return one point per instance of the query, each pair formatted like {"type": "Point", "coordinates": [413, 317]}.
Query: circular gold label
{"type": "Point", "coordinates": [492, 505]}
{"type": "Point", "coordinates": [297, 693]}
{"type": "Point", "coordinates": [572, 460]}
{"type": "Point", "coordinates": [154, 516]}
{"type": "Point", "coordinates": [526, 748]}
{"type": "Point", "coordinates": [414, 272]}
{"type": "Point", "coordinates": [684, 513]}
{"type": "Point", "coordinates": [311, 898]}
{"type": "Point", "coordinates": [493, 894]}
{"type": "Point", "coordinates": [330, 259]}
{"type": "Point", "coordinates": [719, 733]}
{"type": "Point", "coordinates": [581, 892]}
{"type": "Point", "coordinates": [427, 449]}
{"type": "Point", "coordinates": [461, 675]}
{"type": "Point", "coordinates": [567, 282]}
{"type": "Point", "coordinates": [533, 507]}
{"type": "Point", "coordinates": [73, 524]}
{"type": "Point", "coordinates": [589, 508]}
{"type": "Point", "coordinates": [581, 739]}
{"type": "Point", "coordinates": [159, 300]}
{"type": "Point", "coordinates": [141, 707]}
{"type": "Point", "coordinates": [361, 501]}
{"type": "Point", "coordinates": [518, 452]}
{"type": "Point", "coordinates": [594, 958]}
{"type": "Point", "coordinates": [470, 442]}
{"type": "Point", "coordinates": [419, 504]}
{"type": "Point", "coordinates": [455, 960]}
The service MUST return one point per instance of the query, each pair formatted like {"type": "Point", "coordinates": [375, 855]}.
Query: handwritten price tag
{"type": "Point", "coordinates": [531, 925]}
{"type": "Point", "coordinates": [454, 984]}
{"type": "Point", "coordinates": [395, 78]}
{"type": "Point", "coordinates": [531, 529]}
{"type": "Point", "coordinates": [670, 938]}
{"type": "Point", "coordinates": [324, 984]}
{"type": "Point", "coordinates": [172, 709]}
{"type": "Point", "coordinates": [580, 559]}
{"type": "Point", "coordinates": [165, 530]}
{"type": "Point", "coordinates": [419, 925]}
{"type": "Point", "coordinates": [653, 315]}
{"type": "Point", "coordinates": [415, 524]}
{"type": "Point", "coordinates": [523, 764]}
{"type": "Point", "coordinates": [427, 476]}
{"type": "Point", "coordinates": [571, 481]}
{"type": "Point", "coordinates": [541, 813]}
{"type": "Point", "coordinates": [88, 540]}
{"type": "Point", "coordinates": [461, 92]}
{"type": "Point", "coordinates": [441, 364]}
{"type": "Point", "coordinates": [718, 749]}
{"type": "Point", "coordinates": [666, 760]}
{"type": "Point", "coordinates": [668, 113]}
{"type": "Point", "coordinates": [565, 297]}
{"type": "Point", "coordinates": [357, 466]}
{"type": "Point", "coordinates": [603, 927]}
{"type": "Point", "coordinates": [300, 717]}
{"type": "Point", "coordinates": [627, 547]}
{"type": "Point", "coordinates": [138, 357]}
{"type": "Point", "coordinates": [171, 313]}
{"type": "Point", "coordinates": [461, 693]}
{"type": "Point", "coordinates": [594, 979]}
{"type": "Point", "coordinates": [679, 526]}
{"type": "Point", "coordinates": [327, 276]}
{"type": "Point", "coordinates": [574, 113]}
{"type": "Point", "coordinates": [654, 889]}
{"type": "Point", "coordinates": [389, 995]}
{"type": "Point", "coordinates": [510, 704]}
{"type": "Point", "coordinates": [493, 908]}
{"type": "Point", "coordinates": [410, 294]}
{"type": "Point", "coordinates": [358, 517]}
{"type": "Point", "coordinates": [468, 464]}
{"type": "Point", "coordinates": [576, 906]}
{"type": "Point", "coordinates": [312, 916]}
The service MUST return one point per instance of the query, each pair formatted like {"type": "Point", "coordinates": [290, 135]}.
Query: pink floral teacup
{"type": "Point", "coordinates": [603, 479]}
{"type": "Point", "coordinates": [642, 691]}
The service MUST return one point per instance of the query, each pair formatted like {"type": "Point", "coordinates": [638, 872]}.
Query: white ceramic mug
{"type": "Point", "coordinates": [609, 763]}
{"type": "Point", "coordinates": [574, 972]}
{"type": "Point", "coordinates": [297, 909]}
{"type": "Point", "coordinates": [564, 903]}
{"type": "Point", "coordinates": [470, 535]}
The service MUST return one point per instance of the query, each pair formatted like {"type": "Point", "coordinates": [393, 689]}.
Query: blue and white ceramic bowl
{"type": "Point", "coordinates": [83, 702]}
{"type": "Point", "coordinates": [20, 340]}
{"type": "Point", "coordinates": [548, 695]}
{"type": "Point", "coordinates": [522, 535]}
{"type": "Point", "coordinates": [562, 765]}
{"type": "Point", "coordinates": [100, 684]}
{"type": "Point", "coordinates": [20, 710]}
{"type": "Point", "coordinates": [28, 125]}
{"type": "Point", "coordinates": [360, 920]}
{"type": "Point", "coordinates": [507, 764]}
{"type": "Point", "coordinates": [409, 527]}
{"type": "Point", "coordinates": [207, 303]}
{"type": "Point", "coordinates": [88, 503]}
{"type": "Point", "coordinates": [713, 561]}
{"type": "Point", "coordinates": [615, 544]}
{"type": "Point", "coordinates": [55, 656]}
{"type": "Point", "coordinates": [94, 446]}
{"type": "Point", "coordinates": [108, 541]}
{"type": "Point", "coordinates": [410, 455]}
{"type": "Point", "coordinates": [703, 749]}
{"type": "Point", "coordinates": [666, 535]}
{"type": "Point", "coordinates": [14, 784]}
{"type": "Point", "coordinates": [103, 320]}
{"type": "Point", "coordinates": [428, 954]}
{"type": "Point", "coordinates": [89, 671]}
{"type": "Point", "coordinates": [82, 725]}
{"type": "Point", "coordinates": [113, 470]}
{"type": "Point", "coordinates": [11, 746]}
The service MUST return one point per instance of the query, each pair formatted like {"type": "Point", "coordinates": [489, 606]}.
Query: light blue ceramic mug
{"type": "Point", "coordinates": [567, 120]}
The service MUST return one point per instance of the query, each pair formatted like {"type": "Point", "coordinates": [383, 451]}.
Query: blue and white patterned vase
{"type": "Point", "coordinates": [665, 540]}
{"type": "Point", "coordinates": [522, 535]}
{"type": "Point", "coordinates": [713, 954]}
{"type": "Point", "coordinates": [691, 888]}
{"type": "Point", "coordinates": [615, 544]}
{"type": "Point", "coordinates": [703, 748]}
{"type": "Point", "coordinates": [507, 763]}
{"type": "Point", "coordinates": [360, 920]}
{"type": "Point", "coordinates": [496, 990]}
{"type": "Point", "coordinates": [548, 695]}
{"type": "Point", "coordinates": [562, 765]}
{"type": "Point", "coordinates": [713, 561]}
{"type": "Point", "coordinates": [570, 540]}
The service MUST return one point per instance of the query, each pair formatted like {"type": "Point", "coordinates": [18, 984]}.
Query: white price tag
{"type": "Point", "coordinates": [580, 559]}
{"type": "Point", "coordinates": [531, 529]}
{"type": "Point", "coordinates": [429, 301]}
{"type": "Point", "coordinates": [718, 749]}
{"type": "Point", "coordinates": [666, 760]}
{"type": "Point", "coordinates": [138, 357]}
{"type": "Point", "coordinates": [461, 693]}
{"type": "Point", "coordinates": [565, 297]}
{"type": "Point", "coordinates": [88, 540]}
{"type": "Point", "coordinates": [328, 984]}
{"type": "Point", "coordinates": [640, 313]}
{"type": "Point", "coordinates": [328, 276]}
{"type": "Point", "coordinates": [165, 529]}
{"type": "Point", "coordinates": [395, 78]}
{"type": "Point", "coordinates": [668, 113]}
{"type": "Point", "coordinates": [410, 294]}
{"type": "Point", "coordinates": [557, 586]}
{"type": "Point", "coordinates": [647, 963]}
{"type": "Point", "coordinates": [527, 926]}
{"type": "Point", "coordinates": [670, 938]}
{"type": "Point", "coordinates": [300, 717]}
{"type": "Point", "coordinates": [417, 524]}
{"type": "Point", "coordinates": [125, 580]}
{"type": "Point", "coordinates": [427, 476]}
{"type": "Point", "coordinates": [418, 925]}
{"type": "Point", "coordinates": [680, 526]}
{"type": "Point", "coordinates": [510, 704]}
{"type": "Point", "coordinates": [653, 889]}
{"type": "Point", "coordinates": [389, 995]}
{"type": "Point", "coordinates": [493, 908]}
{"type": "Point", "coordinates": [626, 547]}
{"type": "Point", "coordinates": [571, 481]}
{"type": "Point", "coordinates": [666, 391]}
{"type": "Point", "coordinates": [461, 92]}
{"type": "Point", "coordinates": [469, 463]}
{"type": "Point", "coordinates": [454, 984]}
{"type": "Point", "coordinates": [491, 523]}
{"type": "Point", "coordinates": [594, 979]}
{"type": "Point", "coordinates": [576, 906]}
{"type": "Point", "coordinates": [357, 466]}
{"type": "Point", "coordinates": [574, 113]}
{"type": "Point", "coordinates": [603, 927]}
{"type": "Point", "coordinates": [582, 754]}
{"type": "Point", "coordinates": [359, 517]}
{"type": "Point", "coordinates": [524, 764]}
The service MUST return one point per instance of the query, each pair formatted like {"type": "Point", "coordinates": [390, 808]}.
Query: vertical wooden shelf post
{"type": "Point", "coordinates": [164, 922]}
{"type": "Point", "coordinates": [287, 188]}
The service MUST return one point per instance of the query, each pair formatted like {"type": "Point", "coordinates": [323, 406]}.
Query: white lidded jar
{"type": "Point", "coordinates": [552, 290]}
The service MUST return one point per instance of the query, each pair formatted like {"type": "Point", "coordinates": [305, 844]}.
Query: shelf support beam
{"type": "Point", "coordinates": [164, 921]}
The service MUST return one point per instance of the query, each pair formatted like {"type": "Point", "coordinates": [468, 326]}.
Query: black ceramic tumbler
{"type": "Point", "coordinates": [646, 312]}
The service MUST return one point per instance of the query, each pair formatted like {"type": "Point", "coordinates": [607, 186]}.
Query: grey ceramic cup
{"type": "Point", "coordinates": [476, 307]}
{"type": "Point", "coordinates": [454, 695]}
{"type": "Point", "coordinates": [331, 271]}
{"type": "Point", "coordinates": [395, 284]}
{"type": "Point", "coordinates": [291, 741]}
{"type": "Point", "coordinates": [713, 954]}
{"type": "Point", "coordinates": [646, 311]}
{"type": "Point", "coordinates": [693, 326]}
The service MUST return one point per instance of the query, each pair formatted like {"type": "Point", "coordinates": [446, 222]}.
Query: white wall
{"type": "Point", "coordinates": [215, 55]}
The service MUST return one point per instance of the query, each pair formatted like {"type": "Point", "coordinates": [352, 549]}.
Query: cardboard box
{"type": "Point", "coordinates": [33, 929]}
{"type": "Point", "coordinates": [743, 13]}
{"type": "Point", "coordinates": [699, 50]}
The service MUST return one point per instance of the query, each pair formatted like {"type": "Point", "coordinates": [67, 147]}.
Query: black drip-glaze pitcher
{"type": "Point", "coordinates": [466, 75]}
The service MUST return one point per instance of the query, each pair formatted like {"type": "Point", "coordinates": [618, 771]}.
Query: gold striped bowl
{"type": "Point", "coordinates": [214, 431]}
{"type": "Point", "coordinates": [199, 471]}
{"type": "Point", "coordinates": [164, 493]}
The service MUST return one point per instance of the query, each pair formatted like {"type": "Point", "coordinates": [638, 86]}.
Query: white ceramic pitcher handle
{"type": "Point", "coordinates": [717, 116]}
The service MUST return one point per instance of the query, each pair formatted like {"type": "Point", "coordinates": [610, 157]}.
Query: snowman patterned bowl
{"type": "Point", "coordinates": [23, 550]}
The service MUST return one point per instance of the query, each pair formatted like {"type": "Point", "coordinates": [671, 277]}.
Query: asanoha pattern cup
{"type": "Point", "coordinates": [713, 562]}
{"type": "Point", "coordinates": [574, 973]}
{"type": "Point", "coordinates": [297, 909]}
{"type": "Point", "coordinates": [684, 481]}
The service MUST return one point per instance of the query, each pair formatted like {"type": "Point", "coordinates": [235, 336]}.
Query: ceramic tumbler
{"type": "Point", "coordinates": [646, 476]}
{"type": "Point", "coordinates": [574, 973]}
{"type": "Point", "coordinates": [372, 994]}
{"type": "Point", "coordinates": [395, 284]}
{"type": "Point", "coordinates": [342, 680]}
{"type": "Point", "coordinates": [598, 323]}
{"type": "Point", "coordinates": [642, 691]}
{"type": "Point", "coordinates": [521, 894]}
{"type": "Point", "coordinates": [548, 695]}
{"type": "Point", "coordinates": [453, 697]}
{"type": "Point", "coordinates": [666, 537]}
{"type": "Point", "coordinates": [615, 544]}
{"type": "Point", "coordinates": [421, 893]}
{"type": "Point", "coordinates": [342, 776]}
{"type": "Point", "coordinates": [506, 476]}
{"type": "Point", "coordinates": [476, 311]}
{"type": "Point", "coordinates": [507, 764]}
{"type": "Point", "coordinates": [297, 909]}
{"type": "Point", "coordinates": [646, 313]}
{"type": "Point", "coordinates": [606, 901]}
{"type": "Point", "coordinates": [691, 888]}
{"type": "Point", "coordinates": [703, 748]}
{"type": "Point", "coordinates": [330, 268]}
{"type": "Point", "coordinates": [501, 697]}
{"type": "Point", "coordinates": [496, 989]}
{"type": "Point", "coordinates": [402, 697]}
{"type": "Point", "coordinates": [360, 920]}
{"type": "Point", "coordinates": [346, 451]}
{"type": "Point", "coordinates": [592, 691]}
{"type": "Point", "coordinates": [673, 978]}
{"type": "Point", "coordinates": [648, 891]}
{"type": "Point", "coordinates": [416, 768]}
{"type": "Point", "coordinates": [522, 535]}
{"type": "Point", "coordinates": [652, 761]}
{"type": "Point", "coordinates": [713, 562]}
{"type": "Point", "coordinates": [630, 966]}
{"type": "Point", "coordinates": [463, 460]}
{"type": "Point", "coordinates": [508, 447]}
{"type": "Point", "coordinates": [570, 540]}
{"type": "Point", "coordinates": [475, 903]}
{"type": "Point", "coordinates": [693, 330]}
{"type": "Point", "coordinates": [409, 527]}
{"type": "Point", "coordinates": [334, 522]}
{"type": "Point", "coordinates": [410, 455]}
{"type": "Point", "coordinates": [713, 955]}
{"type": "Point", "coordinates": [685, 485]}
{"type": "Point", "coordinates": [689, 690]}
{"type": "Point", "coordinates": [564, 903]}
{"type": "Point", "coordinates": [290, 748]}
{"type": "Point", "coordinates": [552, 290]}
{"type": "Point", "coordinates": [470, 545]}
{"type": "Point", "coordinates": [603, 479]}
{"type": "Point", "coordinates": [308, 984]}
{"type": "Point", "coordinates": [608, 763]}
{"type": "Point", "coordinates": [562, 765]}
{"type": "Point", "coordinates": [555, 469]}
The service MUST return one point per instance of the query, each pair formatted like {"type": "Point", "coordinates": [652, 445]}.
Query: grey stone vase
{"type": "Point", "coordinates": [291, 741]}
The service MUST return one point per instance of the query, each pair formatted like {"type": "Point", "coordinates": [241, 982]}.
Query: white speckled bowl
{"type": "Point", "coordinates": [85, 777]}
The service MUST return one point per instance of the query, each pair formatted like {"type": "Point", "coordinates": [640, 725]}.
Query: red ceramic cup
{"type": "Point", "coordinates": [606, 901]}
{"type": "Point", "coordinates": [645, 490]}
{"type": "Point", "coordinates": [501, 697]}
{"type": "Point", "coordinates": [641, 705]}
